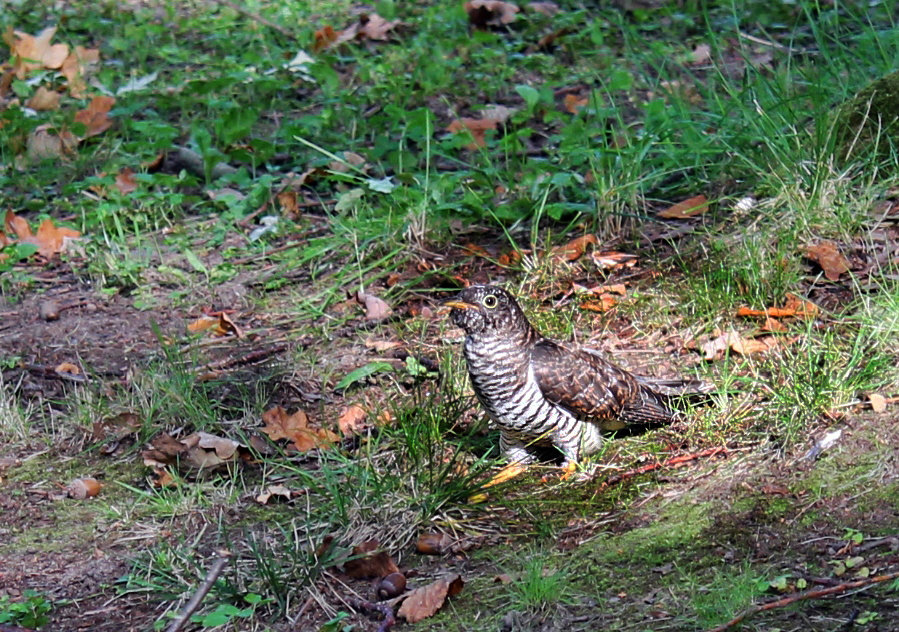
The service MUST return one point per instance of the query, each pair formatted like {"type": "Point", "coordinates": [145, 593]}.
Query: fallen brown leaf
{"type": "Point", "coordinates": [827, 255]}
{"type": "Point", "coordinates": [369, 561]}
{"type": "Point", "coordinates": [476, 127]}
{"type": "Point", "coordinates": [75, 68]}
{"type": "Point", "coordinates": [324, 38]}
{"type": "Point", "coordinates": [795, 307]}
{"type": "Point", "coordinates": [95, 116]}
{"type": "Point", "coordinates": [484, 13]}
{"type": "Point", "coordinates": [382, 345]}
{"type": "Point", "coordinates": [375, 308]}
{"type": "Point", "coordinates": [686, 209]}
{"type": "Point", "coordinates": [426, 601]}
{"type": "Point", "coordinates": [274, 491]}
{"type": "Point", "coordinates": [16, 225]}
{"type": "Point", "coordinates": [43, 99]}
{"type": "Point", "coordinates": [352, 420]}
{"type": "Point", "coordinates": [878, 402]}
{"type": "Point", "coordinates": [610, 260]}
{"type": "Point", "coordinates": [33, 52]}
{"type": "Point", "coordinates": [574, 102]}
{"type": "Point", "coordinates": [715, 347]}
{"type": "Point", "coordinates": [46, 142]}
{"type": "Point", "coordinates": [220, 323]}
{"type": "Point", "coordinates": [701, 54]}
{"type": "Point", "coordinates": [164, 450]}
{"type": "Point", "coordinates": [575, 248]}
{"type": "Point", "coordinates": [125, 181]}
{"type": "Point", "coordinates": [373, 26]}
{"type": "Point", "coordinates": [604, 303]}
{"type": "Point", "coordinates": [295, 427]}
{"type": "Point", "coordinates": [475, 250]}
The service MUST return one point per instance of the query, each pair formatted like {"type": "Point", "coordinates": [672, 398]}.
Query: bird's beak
{"type": "Point", "coordinates": [460, 305]}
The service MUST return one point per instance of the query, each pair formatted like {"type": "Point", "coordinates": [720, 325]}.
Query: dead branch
{"type": "Point", "coordinates": [189, 608]}
{"type": "Point", "coordinates": [673, 461]}
{"type": "Point", "coordinates": [803, 596]}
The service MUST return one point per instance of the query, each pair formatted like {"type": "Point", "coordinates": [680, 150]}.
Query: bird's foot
{"type": "Point", "coordinates": [506, 474]}
{"type": "Point", "coordinates": [569, 470]}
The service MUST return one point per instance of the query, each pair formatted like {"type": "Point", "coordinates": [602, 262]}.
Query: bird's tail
{"type": "Point", "coordinates": [676, 388]}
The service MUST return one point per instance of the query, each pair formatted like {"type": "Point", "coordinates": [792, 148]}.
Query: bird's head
{"type": "Point", "coordinates": [488, 310]}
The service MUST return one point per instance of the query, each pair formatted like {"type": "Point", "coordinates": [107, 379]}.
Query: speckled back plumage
{"type": "Point", "coordinates": [543, 392]}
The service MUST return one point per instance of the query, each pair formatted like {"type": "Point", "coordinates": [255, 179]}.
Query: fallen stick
{"type": "Point", "coordinates": [675, 460]}
{"type": "Point", "coordinates": [809, 594]}
{"type": "Point", "coordinates": [202, 589]}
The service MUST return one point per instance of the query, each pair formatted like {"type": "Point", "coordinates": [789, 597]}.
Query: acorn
{"type": "Point", "coordinates": [392, 585]}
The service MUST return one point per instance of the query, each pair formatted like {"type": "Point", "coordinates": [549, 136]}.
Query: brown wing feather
{"type": "Point", "coordinates": [592, 388]}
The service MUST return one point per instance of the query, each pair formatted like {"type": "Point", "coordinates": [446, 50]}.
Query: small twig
{"type": "Point", "coordinates": [202, 589]}
{"type": "Point", "coordinates": [254, 356]}
{"type": "Point", "coordinates": [809, 594]}
{"type": "Point", "coordinates": [384, 608]}
{"type": "Point", "coordinates": [258, 18]}
{"type": "Point", "coordinates": [675, 460]}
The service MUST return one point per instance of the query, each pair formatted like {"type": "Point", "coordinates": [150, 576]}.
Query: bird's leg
{"type": "Point", "coordinates": [572, 458]}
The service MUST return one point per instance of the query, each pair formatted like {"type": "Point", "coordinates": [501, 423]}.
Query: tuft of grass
{"type": "Point", "coordinates": [718, 598]}
{"type": "Point", "coordinates": [14, 421]}
{"type": "Point", "coordinates": [540, 584]}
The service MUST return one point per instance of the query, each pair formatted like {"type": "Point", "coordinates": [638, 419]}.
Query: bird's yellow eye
{"type": "Point", "coordinates": [490, 301]}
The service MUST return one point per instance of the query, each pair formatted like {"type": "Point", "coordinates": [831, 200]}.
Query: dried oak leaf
{"type": "Point", "coordinates": [484, 13]}
{"type": "Point", "coordinates": [33, 52]}
{"type": "Point", "coordinates": [352, 420]}
{"type": "Point", "coordinates": [686, 209]}
{"type": "Point", "coordinates": [425, 601]}
{"type": "Point", "coordinates": [95, 116]}
{"type": "Point", "coordinates": [280, 425]}
{"type": "Point", "coordinates": [826, 254]}
{"type": "Point", "coordinates": [368, 561]}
